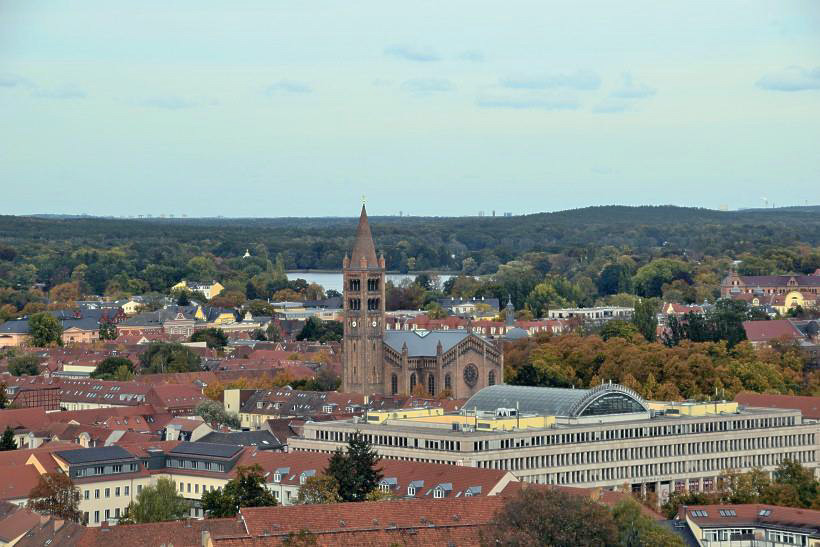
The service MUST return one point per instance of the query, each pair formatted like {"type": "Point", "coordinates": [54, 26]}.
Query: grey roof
{"type": "Point", "coordinates": [16, 326]}
{"type": "Point", "coordinates": [549, 401]}
{"type": "Point", "coordinates": [423, 343]}
{"type": "Point", "coordinates": [91, 455]}
{"type": "Point", "coordinates": [261, 439]}
{"type": "Point", "coordinates": [516, 333]}
{"type": "Point", "coordinates": [207, 449]}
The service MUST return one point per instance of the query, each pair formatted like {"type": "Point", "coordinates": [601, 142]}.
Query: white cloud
{"type": "Point", "coordinates": [411, 53]}
{"type": "Point", "coordinates": [580, 79]}
{"type": "Point", "coordinates": [288, 86]}
{"type": "Point", "coordinates": [426, 86]}
{"type": "Point", "coordinates": [793, 78]}
{"type": "Point", "coordinates": [632, 90]}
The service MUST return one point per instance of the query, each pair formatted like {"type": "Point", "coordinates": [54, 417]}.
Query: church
{"type": "Point", "coordinates": [376, 360]}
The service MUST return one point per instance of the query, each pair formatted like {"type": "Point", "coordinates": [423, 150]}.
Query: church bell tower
{"type": "Point", "coordinates": [363, 291]}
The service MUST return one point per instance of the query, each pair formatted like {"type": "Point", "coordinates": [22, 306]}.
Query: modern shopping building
{"type": "Point", "coordinates": [606, 437]}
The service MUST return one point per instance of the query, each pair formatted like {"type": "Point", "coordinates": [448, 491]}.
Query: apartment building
{"type": "Point", "coordinates": [602, 437]}
{"type": "Point", "coordinates": [751, 525]}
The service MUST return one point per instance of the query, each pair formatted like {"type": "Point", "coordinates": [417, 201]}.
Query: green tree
{"type": "Point", "coordinates": [645, 318]}
{"type": "Point", "coordinates": [638, 530]}
{"type": "Point", "coordinates": [55, 494]}
{"type": "Point", "coordinates": [273, 332]}
{"type": "Point", "coordinates": [155, 503]}
{"type": "Point", "coordinates": [8, 442]}
{"type": "Point", "coordinates": [302, 538]}
{"type": "Point", "coordinates": [615, 278]}
{"type": "Point", "coordinates": [618, 328]}
{"type": "Point", "coordinates": [109, 369]}
{"type": "Point", "coordinates": [184, 298]}
{"type": "Point", "coordinates": [213, 338]}
{"type": "Point", "coordinates": [546, 516]}
{"type": "Point", "coordinates": [4, 399]}
{"type": "Point", "coordinates": [650, 278]}
{"type": "Point", "coordinates": [355, 470]}
{"type": "Point", "coordinates": [790, 473]}
{"type": "Point", "coordinates": [247, 489]}
{"type": "Point", "coordinates": [163, 357]}
{"type": "Point", "coordinates": [321, 331]}
{"type": "Point", "coordinates": [24, 365]}
{"type": "Point", "coordinates": [214, 413]}
{"type": "Point", "coordinates": [45, 330]}
{"type": "Point", "coordinates": [108, 331]}
{"type": "Point", "coordinates": [319, 489]}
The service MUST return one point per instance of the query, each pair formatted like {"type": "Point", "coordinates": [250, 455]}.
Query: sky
{"type": "Point", "coordinates": [271, 108]}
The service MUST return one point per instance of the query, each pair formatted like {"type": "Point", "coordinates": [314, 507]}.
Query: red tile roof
{"type": "Point", "coordinates": [344, 517]}
{"type": "Point", "coordinates": [753, 514]}
{"type": "Point", "coordinates": [186, 533]}
{"type": "Point", "coordinates": [23, 418]}
{"type": "Point", "coordinates": [17, 523]}
{"type": "Point", "coordinates": [765, 331]}
{"type": "Point", "coordinates": [17, 481]}
{"type": "Point", "coordinates": [808, 406]}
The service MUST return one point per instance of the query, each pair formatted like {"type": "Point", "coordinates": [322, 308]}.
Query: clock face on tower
{"type": "Point", "coordinates": [353, 324]}
{"type": "Point", "coordinates": [470, 375]}
{"type": "Point", "coordinates": [374, 324]}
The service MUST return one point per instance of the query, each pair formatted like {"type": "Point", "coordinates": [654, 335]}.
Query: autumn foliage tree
{"type": "Point", "coordinates": [547, 516]}
{"type": "Point", "coordinates": [56, 495]}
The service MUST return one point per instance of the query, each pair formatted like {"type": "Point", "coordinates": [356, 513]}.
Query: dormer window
{"type": "Point", "coordinates": [438, 493]}
{"type": "Point", "coordinates": [277, 477]}
{"type": "Point", "coordinates": [259, 404]}
{"type": "Point", "coordinates": [411, 490]}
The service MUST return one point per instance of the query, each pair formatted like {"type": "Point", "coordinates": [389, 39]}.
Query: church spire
{"type": "Point", "coordinates": [364, 252]}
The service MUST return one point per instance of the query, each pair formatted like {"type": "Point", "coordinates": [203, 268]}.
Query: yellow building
{"type": "Point", "coordinates": [208, 289]}
{"type": "Point", "coordinates": [694, 409]}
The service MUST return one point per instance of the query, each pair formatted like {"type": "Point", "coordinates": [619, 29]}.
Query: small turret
{"type": "Point", "coordinates": [509, 312]}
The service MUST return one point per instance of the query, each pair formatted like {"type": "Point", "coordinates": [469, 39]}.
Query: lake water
{"type": "Point", "coordinates": [333, 280]}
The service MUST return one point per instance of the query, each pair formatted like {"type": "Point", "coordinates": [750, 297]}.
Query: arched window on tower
{"type": "Point", "coordinates": [412, 382]}
{"type": "Point", "coordinates": [448, 382]}
{"type": "Point", "coordinates": [355, 285]}
{"type": "Point", "coordinates": [491, 378]}
{"type": "Point", "coordinates": [431, 385]}
{"type": "Point", "coordinates": [394, 384]}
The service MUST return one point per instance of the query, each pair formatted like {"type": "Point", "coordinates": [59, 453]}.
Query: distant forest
{"type": "Point", "coordinates": [587, 254]}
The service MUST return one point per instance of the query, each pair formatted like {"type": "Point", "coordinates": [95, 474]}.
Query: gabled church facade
{"type": "Point", "coordinates": [389, 362]}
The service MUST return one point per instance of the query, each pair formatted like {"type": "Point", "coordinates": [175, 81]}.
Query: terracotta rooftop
{"type": "Point", "coordinates": [808, 406]}
{"type": "Point", "coordinates": [764, 331]}
{"type": "Point", "coordinates": [754, 514]}
{"type": "Point", "coordinates": [186, 533]}
{"type": "Point", "coordinates": [17, 481]}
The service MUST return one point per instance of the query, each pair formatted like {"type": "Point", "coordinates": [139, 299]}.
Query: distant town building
{"type": "Point", "coordinates": [600, 314]}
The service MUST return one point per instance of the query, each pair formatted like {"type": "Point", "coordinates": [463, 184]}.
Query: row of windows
{"type": "Point", "coordinates": [101, 470]}
{"type": "Point", "coordinates": [642, 470]}
{"type": "Point", "coordinates": [126, 491]}
{"type": "Point", "coordinates": [431, 382]}
{"type": "Point", "coordinates": [196, 464]}
{"type": "Point", "coordinates": [186, 488]}
{"type": "Point", "coordinates": [373, 284]}
{"type": "Point", "coordinates": [107, 514]}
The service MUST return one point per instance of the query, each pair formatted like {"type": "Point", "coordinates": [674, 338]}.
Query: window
{"type": "Point", "coordinates": [728, 513]}
{"type": "Point", "coordinates": [394, 384]}
{"type": "Point", "coordinates": [99, 470]}
{"type": "Point", "coordinates": [354, 284]}
{"type": "Point", "coordinates": [189, 487]}
{"type": "Point", "coordinates": [372, 284]}
{"type": "Point", "coordinates": [384, 487]}
{"type": "Point", "coordinates": [97, 494]}
{"type": "Point", "coordinates": [764, 512]}
{"type": "Point", "coordinates": [96, 516]}
{"type": "Point", "coordinates": [411, 490]}
{"type": "Point", "coordinates": [412, 382]}
{"type": "Point", "coordinates": [127, 490]}
{"type": "Point", "coordinates": [86, 494]}
{"type": "Point", "coordinates": [117, 512]}
{"type": "Point", "coordinates": [107, 492]}
{"type": "Point", "coordinates": [354, 304]}
{"type": "Point", "coordinates": [372, 304]}
{"type": "Point", "coordinates": [117, 491]}
{"type": "Point", "coordinates": [196, 489]}
{"type": "Point", "coordinates": [277, 477]}
{"type": "Point", "coordinates": [139, 488]}
{"type": "Point", "coordinates": [107, 514]}
{"type": "Point", "coordinates": [448, 382]}
{"type": "Point", "coordinates": [438, 493]}
{"type": "Point", "coordinates": [431, 385]}
{"type": "Point", "coordinates": [117, 468]}
{"type": "Point", "coordinates": [491, 378]}
{"type": "Point", "coordinates": [85, 517]}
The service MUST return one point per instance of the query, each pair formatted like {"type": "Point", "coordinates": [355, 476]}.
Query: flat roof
{"type": "Point", "coordinates": [213, 450]}
{"type": "Point", "coordinates": [99, 454]}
